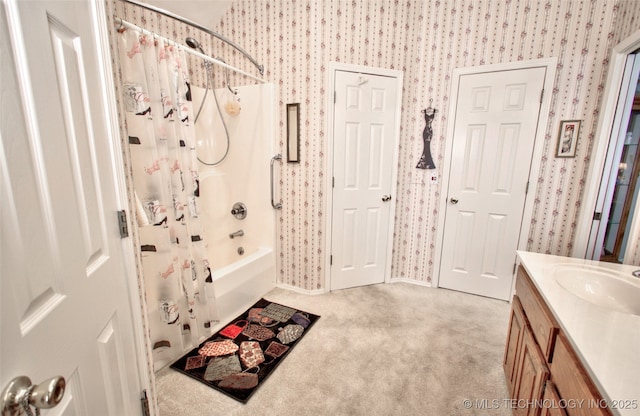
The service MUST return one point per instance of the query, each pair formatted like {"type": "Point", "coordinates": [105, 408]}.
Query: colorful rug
{"type": "Point", "coordinates": [237, 359]}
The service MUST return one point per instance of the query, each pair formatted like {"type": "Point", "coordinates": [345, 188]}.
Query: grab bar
{"type": "Point", "coordinates": [273, 204]}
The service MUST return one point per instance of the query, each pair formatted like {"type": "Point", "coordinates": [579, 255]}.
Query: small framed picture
{"type": "Point", "coordinates": [568, 138]}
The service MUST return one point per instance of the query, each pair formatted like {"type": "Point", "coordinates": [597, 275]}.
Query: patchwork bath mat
{"type": "Point", "coordinates": [239, 357]}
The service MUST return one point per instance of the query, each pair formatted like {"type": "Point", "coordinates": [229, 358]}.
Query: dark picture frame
{"type": "Point", "coordinates": [293, 132]}
{"type": "Point", "coordinates": [568, 138]}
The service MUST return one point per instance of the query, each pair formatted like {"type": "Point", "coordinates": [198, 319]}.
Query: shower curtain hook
{"type": "Point", "coordinates": [118, 21]}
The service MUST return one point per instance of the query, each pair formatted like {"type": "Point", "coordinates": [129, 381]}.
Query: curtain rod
{"type": "Point", "coordinates": [123, 23]}
{"type": "Point", "coordinates": [198, 26]}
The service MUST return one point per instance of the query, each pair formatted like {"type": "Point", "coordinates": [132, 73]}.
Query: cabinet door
{"type": "Point", "coordinates": [573, 382]}
{"type": "Point", "coordinates": [551, 398]}
{"type": "Point", "coordinates": [532, 373]}
{"type": "Point", "coordinates": [514, 342]}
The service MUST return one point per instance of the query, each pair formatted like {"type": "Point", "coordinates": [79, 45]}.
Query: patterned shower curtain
{"type": "Point", "coordinates": [159, 116]}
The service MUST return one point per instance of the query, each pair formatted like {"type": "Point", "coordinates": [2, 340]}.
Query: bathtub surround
{"type": "Point", "coordinates": [373, 353]}
{"type": "Point", "coordinates": [243, 177]}
{"type": "Point", "coordinates": [244, 266]}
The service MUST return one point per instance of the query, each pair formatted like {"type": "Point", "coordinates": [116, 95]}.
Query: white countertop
{"type": "Point", "coordinates": [608, 342]}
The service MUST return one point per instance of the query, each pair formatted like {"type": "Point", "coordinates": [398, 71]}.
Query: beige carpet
{"type": "Point", "coordinates": [394, 349]}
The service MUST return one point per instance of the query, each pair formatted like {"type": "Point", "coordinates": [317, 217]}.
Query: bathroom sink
{"type": "Point", "coordinates": [602, 287]}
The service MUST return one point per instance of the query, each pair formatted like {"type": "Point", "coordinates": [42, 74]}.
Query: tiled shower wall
{"type": "Point", "coordinates": [296, 39]}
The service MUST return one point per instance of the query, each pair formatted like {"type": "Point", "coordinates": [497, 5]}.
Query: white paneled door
{"type": "Point", "coordinates": [66, 309]}
{"type": "Point", "coordinates": [495, 128]}
{"type": "Point", "coordinates": [365, 139]}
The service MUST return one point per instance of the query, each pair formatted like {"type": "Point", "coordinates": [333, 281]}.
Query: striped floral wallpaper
{"type": "Point", "coordinates": [296, 40]}
{"type": "Point", "coordinates": [628, 20]}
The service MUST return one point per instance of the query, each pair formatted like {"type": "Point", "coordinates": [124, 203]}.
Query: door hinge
{"type": "Point", "coordinates": [331, 260]}
{"type": "Point", "coordinates": [122, 224]}
{"type": "Point", "coordinates": [597, 216]}
{"type": "Point", "coordinates": [514, 268]}
{"type": "Point", "coordinates": [541, 95]}
{"type": "Point", "coordinates": [144, 401]}
{"type": "Point", "coordinates": [333, 181]}
{"type": "Point", "coordinates": [334, 97]}
{"type": "Point", "coordinates": [526, 190]}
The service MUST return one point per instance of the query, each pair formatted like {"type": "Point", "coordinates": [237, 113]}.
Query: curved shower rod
{"type": "Point", "coordinates": [198, 26]}
{"type": "Point", "coordinates": [124, 24]}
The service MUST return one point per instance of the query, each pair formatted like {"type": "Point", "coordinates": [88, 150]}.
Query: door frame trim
{"type": "Point", "coordinates": [550, 64]}
{"type": "Point", "coordinates": [362, 69]}
{"type": "Point", "coordinates": [107, 87]}
{"type": "Point", "coordinates": [602, 159]}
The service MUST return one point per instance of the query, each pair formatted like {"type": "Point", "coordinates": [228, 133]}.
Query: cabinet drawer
{"type": "Point", "coordinates": [543, 325]}
{"type": "Point", "coordinates": [573, 382]}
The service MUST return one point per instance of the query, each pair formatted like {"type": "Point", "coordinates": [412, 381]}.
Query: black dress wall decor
{"type": "Point", "coordinates": [426, 161]}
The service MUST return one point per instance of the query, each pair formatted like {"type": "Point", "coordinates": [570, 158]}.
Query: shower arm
{"type": "Point", "coordinates": [198, 26]}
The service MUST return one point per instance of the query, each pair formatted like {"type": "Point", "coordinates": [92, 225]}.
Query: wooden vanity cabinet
{"type": "Point", "coordinates": [539, 363]}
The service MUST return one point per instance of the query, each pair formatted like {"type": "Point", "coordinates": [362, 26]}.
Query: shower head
{"type": "Point", "coordinates": [194, 44]}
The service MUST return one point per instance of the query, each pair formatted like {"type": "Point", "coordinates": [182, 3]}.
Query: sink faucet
{"type": "Point", "coordinates": [238, 233]}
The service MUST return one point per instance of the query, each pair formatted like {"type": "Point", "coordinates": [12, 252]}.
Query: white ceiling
{"type": "Point", "coordinates": [205, 12]}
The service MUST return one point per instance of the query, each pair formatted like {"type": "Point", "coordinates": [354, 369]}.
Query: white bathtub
{"type": "Point", "coordinates": [240, 284]}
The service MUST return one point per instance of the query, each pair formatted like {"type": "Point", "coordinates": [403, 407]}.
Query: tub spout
{"type": "Point", "coordinates": [238, 233]}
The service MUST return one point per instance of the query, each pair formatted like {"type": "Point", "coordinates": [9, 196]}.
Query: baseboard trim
{"type": "Point", "coordinates": [411, 281]}
{"type": "Point", "coordinates": [323, 291]}
{"type": "Point", "coordinates": [302, 291]}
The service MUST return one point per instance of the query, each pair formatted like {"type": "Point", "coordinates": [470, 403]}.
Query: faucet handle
{"type": "Point", "coordinates": [239, 210]}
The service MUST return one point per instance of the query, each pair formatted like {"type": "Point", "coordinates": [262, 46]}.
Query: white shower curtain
{"type": "Point", "coordinates": [159, 117]}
